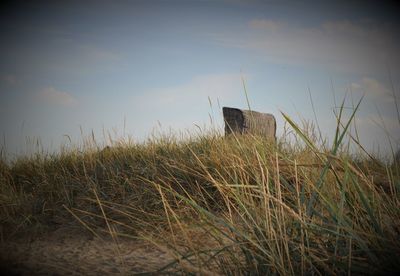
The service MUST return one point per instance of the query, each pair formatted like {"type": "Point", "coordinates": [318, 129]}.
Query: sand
{"type": "Point", "coordinates": [74, 251]}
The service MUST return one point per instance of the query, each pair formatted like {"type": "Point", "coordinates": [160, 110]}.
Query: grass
{"type": "Point", "coordinates": [234, 205]}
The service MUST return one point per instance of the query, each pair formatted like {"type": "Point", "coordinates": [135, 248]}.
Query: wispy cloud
{"type": "Point", "coordinates": [95, 53]}
{"type": "Point", "coordinates": [373, 89]}
{"type": "Point", "coordinates": [51, 95]}
{"type": "Point", "coordinates": [342, 45]}
{"type": "Point", "coordinates": [353, 30]}
{"type": "Point", "coordinates": [270, 25]}
{"type": "Point", "coordinates": [199, 88]}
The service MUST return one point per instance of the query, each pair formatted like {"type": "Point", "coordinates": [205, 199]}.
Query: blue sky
{"type": "Point", "coordinates": [91, 65]}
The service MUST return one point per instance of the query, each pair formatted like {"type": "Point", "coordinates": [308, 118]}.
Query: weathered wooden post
{"type": "Point", "coordinates": [248, 121]}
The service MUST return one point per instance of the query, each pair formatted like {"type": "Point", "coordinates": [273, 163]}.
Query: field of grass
{"type": "Point", "coordinates": [235, 205]}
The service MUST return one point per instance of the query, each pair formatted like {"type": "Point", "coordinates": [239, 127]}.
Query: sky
{"type": "Point", "coordinates": [132, 68]}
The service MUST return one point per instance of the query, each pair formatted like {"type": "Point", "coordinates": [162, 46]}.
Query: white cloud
{"type": "Point", "coordinates": [199, 88]}
{"type": "Point", "coordinates": [373, 89]}
{"type": "Point", "coordinates": [53, 96]}
{"type": "Point", "coordinates": [342, 45]}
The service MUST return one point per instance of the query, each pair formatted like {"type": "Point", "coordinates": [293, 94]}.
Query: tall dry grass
{"type": "Point", "coordinates": [234, 205]}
